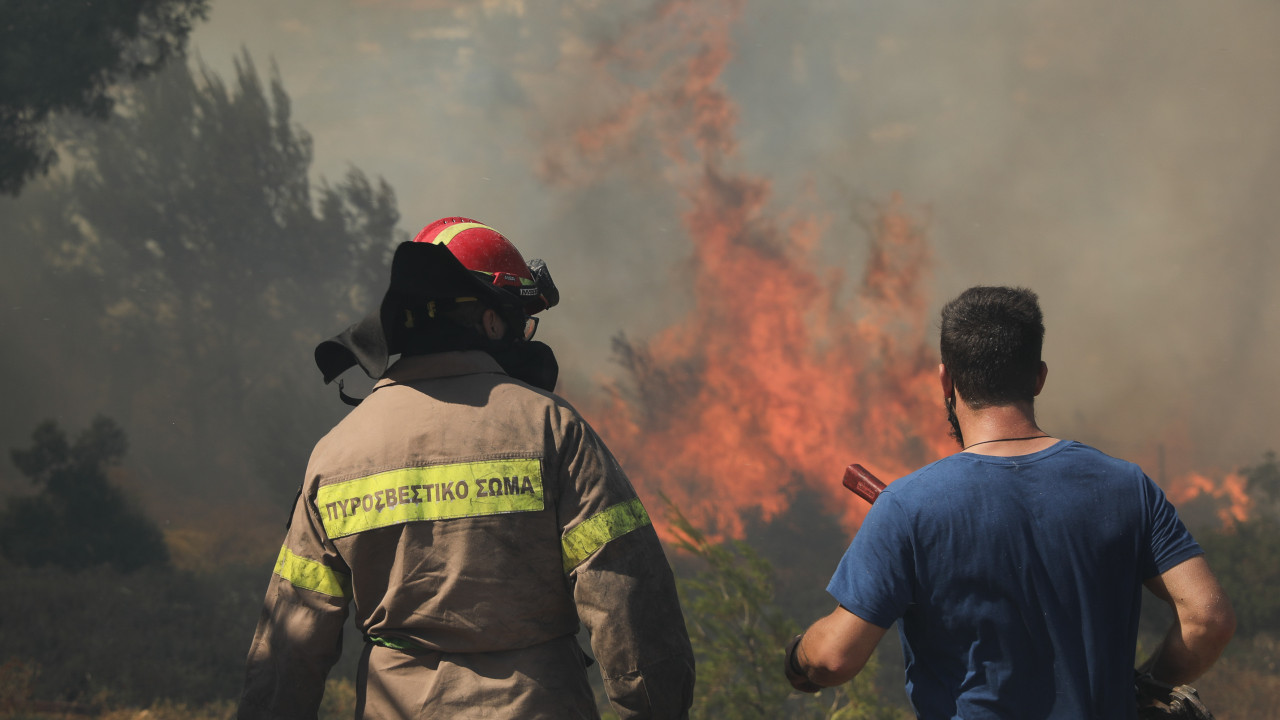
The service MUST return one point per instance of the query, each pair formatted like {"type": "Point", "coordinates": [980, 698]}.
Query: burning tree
{"type": "Point", "coordinates": [779, 375]}
{"type": "Point", "coordinates": [771, 384]}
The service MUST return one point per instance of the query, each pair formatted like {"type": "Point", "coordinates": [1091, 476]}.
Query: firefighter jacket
{"type": "Point", "coordinates": [470, 522]}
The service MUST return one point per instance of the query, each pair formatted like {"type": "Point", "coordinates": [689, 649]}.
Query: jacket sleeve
{"type": "Point", "coordinates": [299, 633]}
{"type": "Point", "coordinates": [622, 584]}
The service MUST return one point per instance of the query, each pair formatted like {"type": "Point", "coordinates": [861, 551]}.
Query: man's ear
{"type": "Point", "coordinates": [944, 379]}
{"type": "Point", "coordinates": [1040, 376]}
{"type": "Point", "coordinates": [492, 324]}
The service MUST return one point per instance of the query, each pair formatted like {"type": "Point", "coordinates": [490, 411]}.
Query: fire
{"type": "Point", "coordinates": [776, 379]}
{"type": "Point", "coordinates": [778, 376]}
{"type": "Point", "coordinates": [771, 383]}
{"type": "Point", "coordinates": [1229, 496]}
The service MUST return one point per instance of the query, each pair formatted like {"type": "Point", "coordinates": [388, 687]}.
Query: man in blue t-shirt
{"type": "Point", "coordinates": [1015, 566]}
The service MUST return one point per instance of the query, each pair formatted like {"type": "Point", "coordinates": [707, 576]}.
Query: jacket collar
{"type": "Point", "coordinates": [438, 365]}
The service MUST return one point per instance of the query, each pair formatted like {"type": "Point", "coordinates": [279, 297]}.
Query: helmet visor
{"type": "Point", "coordinates": [530, 327]}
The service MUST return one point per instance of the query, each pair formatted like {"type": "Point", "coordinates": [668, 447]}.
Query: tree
{"type": "Point", "coordinates": [64, 57]}
{"type": "Point", "coordinates": [192, 241]}
{"type": "Point", "coordinates": [78, 519]}
{"type": "Point", "coordinates": [199, 196]}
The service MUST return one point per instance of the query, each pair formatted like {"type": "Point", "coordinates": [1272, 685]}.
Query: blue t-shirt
{"type": "Point", "coordinates": [1017, 580]}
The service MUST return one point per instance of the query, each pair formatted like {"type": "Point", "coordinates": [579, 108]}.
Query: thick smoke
{"type": "Point", "coordinates": [1121, 160]}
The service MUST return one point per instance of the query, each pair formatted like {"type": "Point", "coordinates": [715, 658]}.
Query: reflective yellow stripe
{"type": "Point", "coordinates": [450, 232]}
{"type": "Point", "coordinates": [437, 492]}
{"type": "Point", "coordinates": [312, 575]}
{"type": "Point", "coordinates": [393, 643]}
{"type": "Point", "coordinates": [591, 534]}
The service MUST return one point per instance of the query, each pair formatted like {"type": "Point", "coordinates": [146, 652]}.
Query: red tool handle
{"type": "Point", "coordinates": [862, 482]}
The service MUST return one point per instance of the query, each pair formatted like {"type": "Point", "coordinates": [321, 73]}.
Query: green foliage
{"type": "Point", "coordinates": [63, 57]}
{"type": "Point", "coordinates": [1246, 556]}
{"type": "Point", "coordinates": [1263, 483]}
{"type": "Point", "coordinates": [735, 630]}
{"type": "Point", "coordinates": [78, 519]}
{"type": "Point", "coordinates": [1246, 559]}
{"type": "Point", "coordinates": [739, 633]}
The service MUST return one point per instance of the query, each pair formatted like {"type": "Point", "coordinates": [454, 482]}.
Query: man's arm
{"type": "Point", "coordinates": [835, 649]}
{"type": "Point", "coordinates": [1203, 625]}
{"type": "Point", "coordinates": [299, 633]}
{"type": "Point", "coordinates": [626, 596]}
{"type": "Point", "coordinates": [623, 586]}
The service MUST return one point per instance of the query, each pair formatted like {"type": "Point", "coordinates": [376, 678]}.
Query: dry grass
{"type": "Point", "coordinates": [1244, 685]}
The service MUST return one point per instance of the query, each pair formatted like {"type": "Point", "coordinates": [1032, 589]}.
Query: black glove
{"type": "Point", "coordinates": [795, 674]}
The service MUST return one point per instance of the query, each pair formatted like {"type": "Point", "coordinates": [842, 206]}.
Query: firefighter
{"type": "Point", "coordinates": [468, 518]}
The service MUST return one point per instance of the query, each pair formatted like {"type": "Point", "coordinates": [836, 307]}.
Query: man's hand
{"type": "Point", "coordinates": [832, 650]}
{"type": "Point", "coordinates": [795, 671]}
{"type": "Point", "coordinates": [1159, 701]}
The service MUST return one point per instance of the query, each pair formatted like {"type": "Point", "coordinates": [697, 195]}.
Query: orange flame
{"type": "Point", "coordinates": [1229, 495]}
{"type": "Point", "coordinates": [770, 383]}
{"type": "Point", "coordinates": [774, 380]}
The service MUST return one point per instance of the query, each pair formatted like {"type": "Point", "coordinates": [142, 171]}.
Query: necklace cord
{"type": "Point", "coordinates": [984, 442]}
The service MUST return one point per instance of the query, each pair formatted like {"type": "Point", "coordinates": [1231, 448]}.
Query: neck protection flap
{"type": "Point", "coordinates": [420, 273]}
{"type": "Point", "coordinates": [532, 362]}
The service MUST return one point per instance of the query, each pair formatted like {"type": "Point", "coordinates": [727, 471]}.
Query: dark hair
{"type": "Point", "coordinates": [440, 327]}
{"type": "Point", "coordinates": [991, 341]}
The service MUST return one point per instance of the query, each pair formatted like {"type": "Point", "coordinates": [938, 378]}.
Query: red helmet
{"type": "Point", "coordinates": [485, 251]}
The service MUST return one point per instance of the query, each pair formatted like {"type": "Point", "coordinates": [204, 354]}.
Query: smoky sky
{"type": "Point", "coordinates": [1120, 159]}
